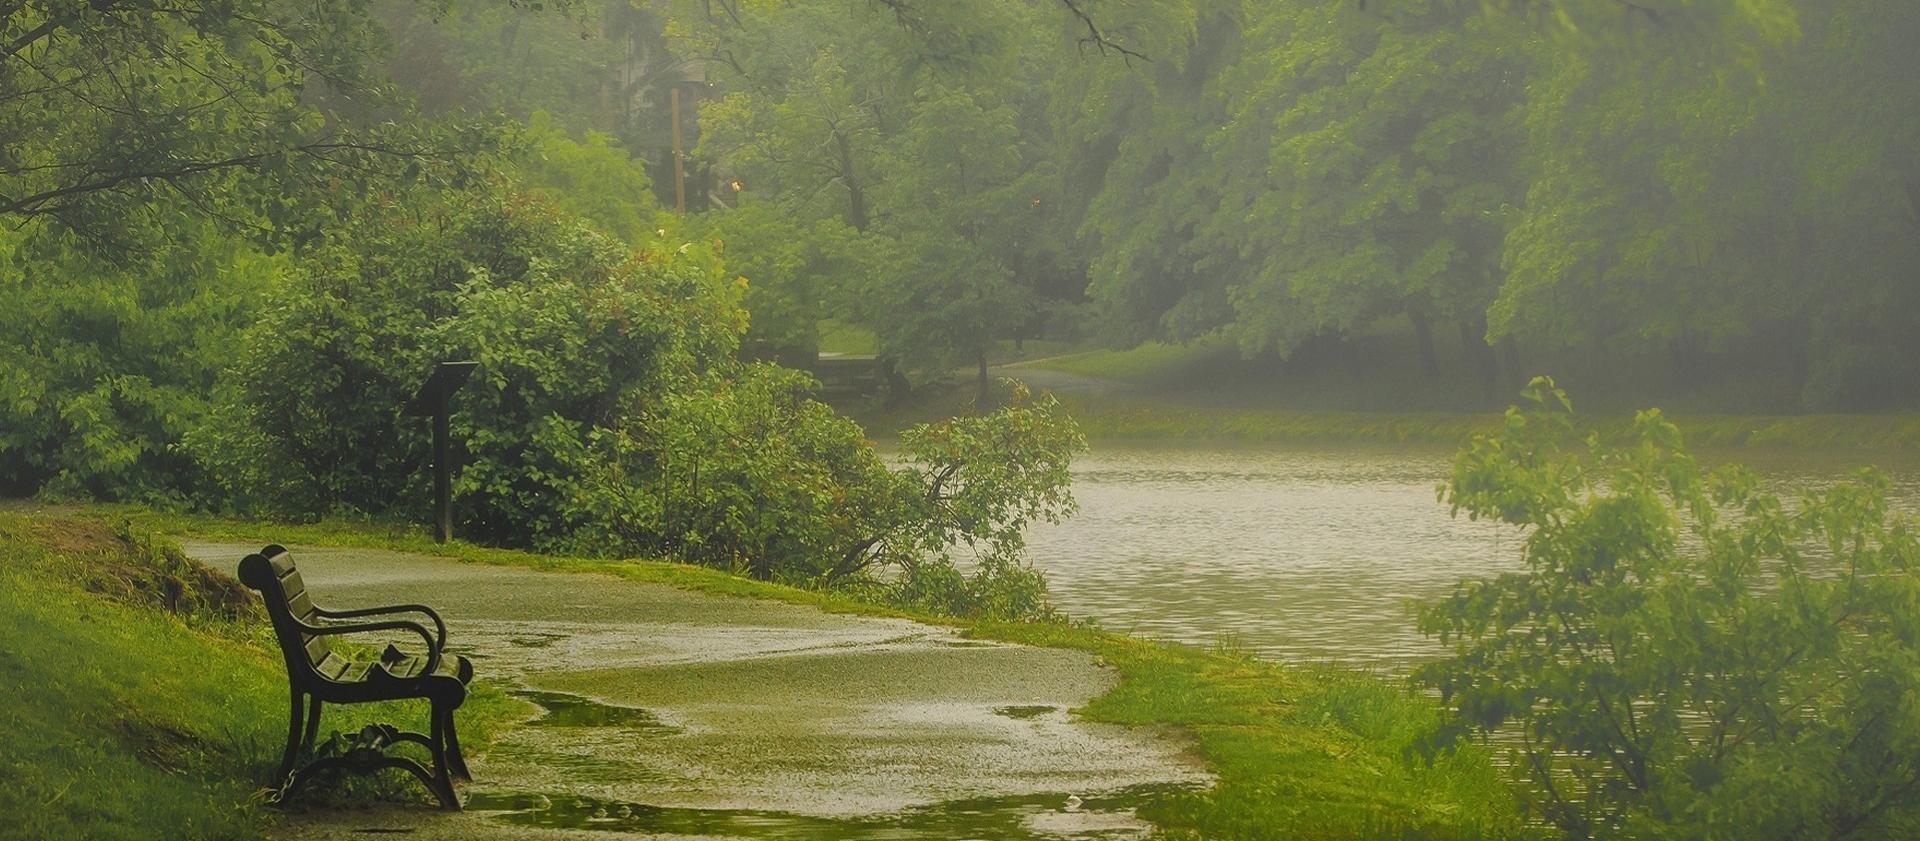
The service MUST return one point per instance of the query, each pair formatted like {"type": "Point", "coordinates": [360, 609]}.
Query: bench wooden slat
{"type": "Point", "coordinates": [331, 666]}
{"type": "Point", "coordinates": [317, 649]}
{"type": "Point", "coordinates": [301, 606]}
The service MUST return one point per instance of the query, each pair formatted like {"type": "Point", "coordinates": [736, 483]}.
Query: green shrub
{"type": "Point", "coordinates": [1684, 654]}
{"type": "Point", "coordinates": [754, 476]}
{"type": "Point", "coordinates": [570, 329]}
{"type": "Point", "coordinates": [609, 417]}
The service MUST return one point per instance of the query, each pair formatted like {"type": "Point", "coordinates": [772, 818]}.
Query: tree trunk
{"type": "Point", "coordinates": [1479, 355]}
{"type": "Point", "coordinates": [856, 194]}
{"type": "Point", "coordinates": [1423, 335]}
{"type": "Point", "coordinates": [984, 403]}
{"type": "Point", "coordinates": [899, 388]}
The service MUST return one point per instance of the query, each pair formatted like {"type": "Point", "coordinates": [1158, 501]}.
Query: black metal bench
{"type": "Point", "coordinates": [317, 674]}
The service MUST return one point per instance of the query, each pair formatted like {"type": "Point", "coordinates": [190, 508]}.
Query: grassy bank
{"type": "Point", "coordinates": [1299, 752]}
{"type": "Point", "coordinates": [1135, 419]}
{"type": "Point", "coordinates": [1369, 389]}
{"type": "Point", "coordinates": [1147, 416]}
{"type": "Point", "coordinates": [144, 700]}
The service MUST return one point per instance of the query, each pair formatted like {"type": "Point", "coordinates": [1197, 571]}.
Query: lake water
{"type": "Point", "coordinates": [1303, 552]}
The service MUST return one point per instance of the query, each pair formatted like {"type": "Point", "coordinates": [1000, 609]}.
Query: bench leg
{"type": "Point", "coordinates": [442, 782]}
{"type": "Point", "coordinates": [456, 761]}
{"type": "Point", "coordinates": [294, 731]}
{"type": "Point", "coordinates": [307, 742]}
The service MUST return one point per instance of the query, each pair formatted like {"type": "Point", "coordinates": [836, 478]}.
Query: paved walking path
{"type": "Point", "coordinates": [683, 715]}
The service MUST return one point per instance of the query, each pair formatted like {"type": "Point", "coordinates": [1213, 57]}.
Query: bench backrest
{"type": "Point", "coordinates": [271, 571]}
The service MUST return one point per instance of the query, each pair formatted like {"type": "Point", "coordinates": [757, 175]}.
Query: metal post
{"type": "Point", "coordinates": [434, 400]}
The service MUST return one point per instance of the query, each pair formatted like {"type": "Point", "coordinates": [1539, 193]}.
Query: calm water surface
{"type": "Point", "coordinates": [1303, 552]}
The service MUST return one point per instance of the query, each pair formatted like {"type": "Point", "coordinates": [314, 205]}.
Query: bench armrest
{"type": "Point", "coordinates": [440, 626]}
{"type": "Point", "coordinates": [433, 651]}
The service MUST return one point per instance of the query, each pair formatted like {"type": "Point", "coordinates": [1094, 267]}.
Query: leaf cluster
{"type": "Point", "coordinates": [1684, 654]}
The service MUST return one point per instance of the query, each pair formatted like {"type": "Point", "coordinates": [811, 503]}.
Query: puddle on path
{"type": "Point", "coordinates": [665, 713]}
{"type": "Point", "coordinates": [565, 709]}
{"type": "Point", "coordinates": [1036, 817]}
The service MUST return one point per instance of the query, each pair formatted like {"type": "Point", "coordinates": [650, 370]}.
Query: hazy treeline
{"type": "Point", "coordinates": [1691, 185]}
{"type": "Point", "coordinates": [240, 233]}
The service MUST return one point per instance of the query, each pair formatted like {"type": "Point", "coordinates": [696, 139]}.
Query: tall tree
{"type": "Point", "coordinates": [233, 108]}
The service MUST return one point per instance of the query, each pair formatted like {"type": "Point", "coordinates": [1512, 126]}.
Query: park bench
{"type": "Point", "coordinates": [318, 673]}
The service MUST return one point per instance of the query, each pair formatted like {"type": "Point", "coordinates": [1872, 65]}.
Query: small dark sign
{"type": "Point", "coordinates": [447, 378]}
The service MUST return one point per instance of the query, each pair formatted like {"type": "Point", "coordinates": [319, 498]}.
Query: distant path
{"type": "Point", "coordinates": [675, 714]}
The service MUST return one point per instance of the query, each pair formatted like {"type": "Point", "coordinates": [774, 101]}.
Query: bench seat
{"type": "Point", "coordinates": [318, 674]}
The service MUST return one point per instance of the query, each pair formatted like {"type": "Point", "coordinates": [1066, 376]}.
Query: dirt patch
{"type": "Point", "coordinates": [144, 571]}
{"type": "Point", "coordinates": [160, 744]}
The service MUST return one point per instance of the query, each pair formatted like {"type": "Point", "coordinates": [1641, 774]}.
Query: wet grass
{"type": "Point", "coordinates": [1150, 364]}
{"type": "Point", "coordinates": [1023, 818]}
{"type": "Point", "coordinates": [1300, 752]}
{"type": "Point", "coordinates": [1372, 389]}
{"type": "Point", "coordinates": [1147, 419]}
{"type": "Point", "coordinates": [140, 707]}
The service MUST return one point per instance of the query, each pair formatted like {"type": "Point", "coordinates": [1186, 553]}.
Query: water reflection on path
{"type": "Point", "coordinates": [1304, 552]}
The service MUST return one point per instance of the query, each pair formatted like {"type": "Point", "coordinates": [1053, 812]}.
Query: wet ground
{"type": "Point", "coordinates": [679, 715]}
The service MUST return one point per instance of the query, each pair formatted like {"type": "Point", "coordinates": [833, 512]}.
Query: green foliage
{"type": "Point", "coordinates": [592, 178]}
{"type": "Point", "coordinates": [797, 269]}
{"type": "Point", "coordinates": [1684, 655]}
{"type": "Point", "coordinates": [104, 364]}
{"type": "Point", "coordinates": [750, 475]}
{"type": "Point", "coordinates": [569, 328]}
{"type": "Point", "coordinates": [981, 480]}
{"type": "Point", "coordinates": [908, 149]}
{"type": "Point", "coordinates": [755, 477]}
{"type": "Point", "coordinates": [607, 415]}
{"type": "Point", "coordinates": [244, 111]}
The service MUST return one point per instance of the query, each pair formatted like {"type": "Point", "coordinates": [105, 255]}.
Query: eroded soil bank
{"type": "Point", "coordinates": [671, 714]}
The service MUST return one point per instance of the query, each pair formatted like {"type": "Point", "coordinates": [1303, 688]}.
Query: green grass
{"type": "Point", "coordinates": [1141, 419]}
{"type": "Point", "coordinates": [1369, 387]}
{"type": "Point", "coordinates": [1299, 752]}
{"type": "Point", "coordinates": [125, 719]}
{"type": "Point", "coordinates": [851, 339]}
{"type": "Point", "coordinates": [1150, 364]}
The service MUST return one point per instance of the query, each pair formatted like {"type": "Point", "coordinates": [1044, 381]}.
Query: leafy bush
{"type": "Point", "coordinates": [609, 417]}
{"type": "Point", "coordinates": [105, 361]}
{"type": "Point", "coordinates": [1685, 655]}
{"type": "Point", "coordinates": [754, 476]}
{"type": "Point", "coordinates": [570, 328]}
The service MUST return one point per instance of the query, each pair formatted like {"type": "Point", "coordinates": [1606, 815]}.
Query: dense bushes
{"type": "Point", "coordinates": [568, 327]}
{"type": "Point", "coordinates": [105, 362]}
{"type": "Point", "coordinates": [608, 416]}
{"type": "Point", "coordinates": [1685, 655]}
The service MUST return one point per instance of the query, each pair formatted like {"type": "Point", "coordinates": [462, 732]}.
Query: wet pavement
{"type": "Point", "coordinates": [670, 714]}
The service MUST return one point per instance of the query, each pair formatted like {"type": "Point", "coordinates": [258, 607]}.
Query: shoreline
{"type": "Point", "coordinates": [1135, 418]}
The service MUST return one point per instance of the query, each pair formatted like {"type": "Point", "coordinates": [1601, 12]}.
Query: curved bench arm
{"type": "Point", "coordinates": [433, 651]}
{"type": "Point", "coordinates": [438, 624]}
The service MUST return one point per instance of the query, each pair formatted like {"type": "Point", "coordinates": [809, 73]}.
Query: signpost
{"type": "Point", "coordinates": [434, 399]}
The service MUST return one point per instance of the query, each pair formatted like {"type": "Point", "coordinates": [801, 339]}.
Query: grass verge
{"type": "Point", "coordinates": [1118, 419]}
{"type": "Point", "coordinates": [144, 699]}
{"type": "Point", "coordinates": [1299, 752]}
